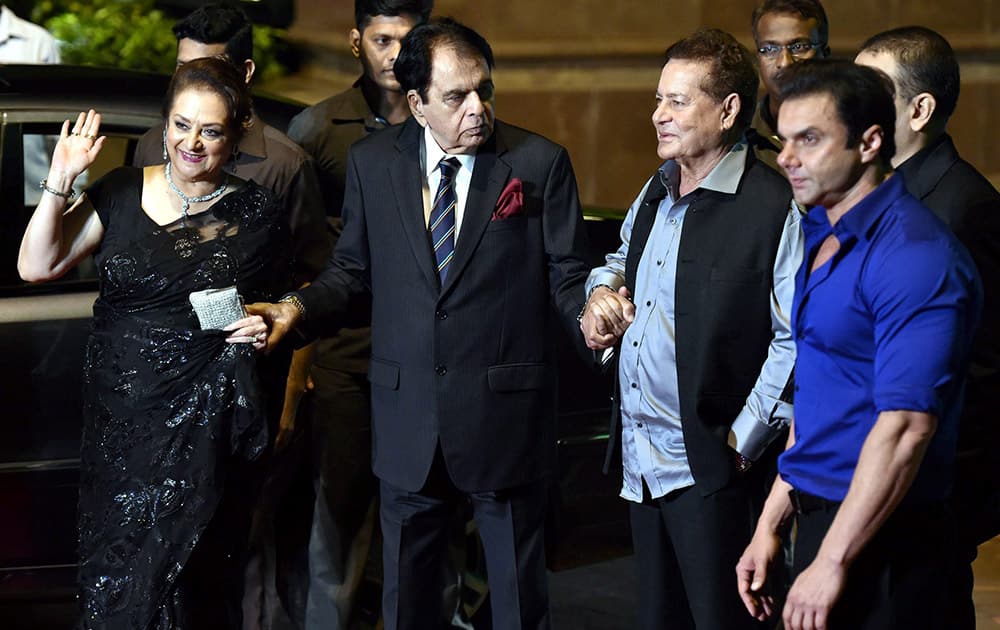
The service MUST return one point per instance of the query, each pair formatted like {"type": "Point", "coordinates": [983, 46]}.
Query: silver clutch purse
{"type": "Point", "coordinates": [217, 308]}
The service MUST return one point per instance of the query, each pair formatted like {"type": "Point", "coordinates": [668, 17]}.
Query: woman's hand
{"type": "Point", "coordinates": [77, 148]}
{"type": "Point", "coordinates": [252, 330]}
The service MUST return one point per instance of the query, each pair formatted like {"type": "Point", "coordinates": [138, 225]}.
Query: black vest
{"type": "Point", "coordinates": [722, 294]}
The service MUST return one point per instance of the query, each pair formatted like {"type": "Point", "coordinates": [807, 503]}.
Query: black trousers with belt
{"type": "Point", "coordinates": [899, 579]}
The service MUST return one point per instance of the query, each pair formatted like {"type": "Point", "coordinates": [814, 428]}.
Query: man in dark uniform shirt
{"type": "Point", "coordinates": [337, 411]}
{"type": "Point", "coordinates": [925, 73]}
{"type": "Point", "coordinates": [785, 33]}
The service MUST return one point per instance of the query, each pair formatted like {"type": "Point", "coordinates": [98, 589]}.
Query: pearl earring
{"type": "Point", "coordinates": [165, 156]}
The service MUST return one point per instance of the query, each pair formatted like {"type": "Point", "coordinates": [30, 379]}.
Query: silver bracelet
{"type": "Point", "coordinates": [68, 196]}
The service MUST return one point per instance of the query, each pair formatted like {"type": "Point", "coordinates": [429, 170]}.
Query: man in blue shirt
{"type": "Point", "coordinates": [885, 305]}
{"type": "Point", "coordinates": [709, 252]}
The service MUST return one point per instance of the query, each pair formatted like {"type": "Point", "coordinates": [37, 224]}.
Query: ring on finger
{"type": "Point", "coordinates": [90, 136]}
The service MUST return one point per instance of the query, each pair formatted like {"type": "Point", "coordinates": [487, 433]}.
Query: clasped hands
{"type": "Point", "coordinates": [606, 317]}
{"type": "Point", "coordinates": [280, 318]}
{"type": "Point", "coordinates": [251, 329]}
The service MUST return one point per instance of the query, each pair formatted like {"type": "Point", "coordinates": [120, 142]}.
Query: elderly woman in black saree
{"type": "Point", "coordinates": [174, 414]}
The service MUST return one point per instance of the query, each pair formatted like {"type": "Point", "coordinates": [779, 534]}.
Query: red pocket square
{"type": "Point", "coordinates": [511, 201]}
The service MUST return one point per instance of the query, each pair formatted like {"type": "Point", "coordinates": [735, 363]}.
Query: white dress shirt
{"type": "Point", "coordinates": [432, 155]}
{"type": "Point", "coordinates": [24, 42]}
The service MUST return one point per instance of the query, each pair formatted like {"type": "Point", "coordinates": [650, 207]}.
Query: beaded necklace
{"type": "Point", "coordinates": [187, 201]}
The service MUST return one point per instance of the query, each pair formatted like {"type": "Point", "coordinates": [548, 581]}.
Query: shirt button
{"type": "Point", "coordinates": [638, 425]}
{"type": "Point", "coordinates": [659, 262]}
{"type": "Point", "coordinates": [441, 370]}
{"type": "Point", "coordinates": [441, 314]}
{"type": "Point", "coordinates": [635, 344]}
{"type": "Point", "coordinates": [635, 386]}
{"type": "Point", "coordinates": [648, 303]}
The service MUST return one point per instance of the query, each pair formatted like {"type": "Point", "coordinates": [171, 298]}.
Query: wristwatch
{"type": "Point", "coordinates": [293, 299]}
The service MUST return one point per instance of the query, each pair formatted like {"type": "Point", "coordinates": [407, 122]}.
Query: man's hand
{"type": "Point", "coordinates": [606, 317]}
{"type": "Point", "coordinates": [813, 595]}
{"type": "Point", "coordinates": [280, 317]}
{"type": "Point", "coordinates": [751, 573]}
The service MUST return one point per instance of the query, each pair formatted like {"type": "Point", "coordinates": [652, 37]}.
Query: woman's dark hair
{"type": "Point", "coordinates": [413, 64]}
{"type": "Point", "coordinates": [219, 24]}
{"type": "Point", "coordinates": [861, 95]}
{"type": "Point", "coordinates": [365, 10]}
{"type": "Point", "coordinates": [219, 77]}
{"type": "Point", "coordinates": [731, 69]}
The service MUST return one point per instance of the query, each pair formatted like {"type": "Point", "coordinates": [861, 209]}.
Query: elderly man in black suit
{"type": "Point", "coordinates": [925, 73]}
{"type": "Point", "coordinates": [468, 232]}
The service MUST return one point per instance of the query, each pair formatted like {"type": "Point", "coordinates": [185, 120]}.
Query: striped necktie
{"type": "Point", "coordinates": [442, 219]}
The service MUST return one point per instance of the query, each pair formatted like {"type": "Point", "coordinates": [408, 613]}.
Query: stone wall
{"type": "Point", "coordinates": [584, 72]}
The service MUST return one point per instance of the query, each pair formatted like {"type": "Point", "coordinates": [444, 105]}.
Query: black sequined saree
{"type": "Point", "coordinates": [171, 411]}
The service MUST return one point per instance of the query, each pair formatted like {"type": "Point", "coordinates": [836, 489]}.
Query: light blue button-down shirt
{"type": "Point", "coordinates": [652, 439]}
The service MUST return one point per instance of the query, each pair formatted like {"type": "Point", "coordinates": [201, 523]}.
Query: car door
{"type": "Point", "coordinates": [43, 334]}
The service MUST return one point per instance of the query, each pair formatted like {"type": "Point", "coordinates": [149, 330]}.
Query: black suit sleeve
{"type": "Point", "coordinates": [343, 283]}
{"type": "Point", "coordinates": [566, 245]}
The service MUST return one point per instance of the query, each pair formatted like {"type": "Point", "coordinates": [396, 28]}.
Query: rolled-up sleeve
{"type": "Point", "coordinates": [922, 302]}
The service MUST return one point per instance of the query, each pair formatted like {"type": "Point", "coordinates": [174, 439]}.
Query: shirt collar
{"type": "Point", "coordinates": [925, 167]}
{"type": "Point", "coordinates": [354, 108]}
{"type": "Point", "coordinates": [859, 220]}
{"type": "Point", "coordinates": [435, 155]}
{"type": "Point", "coordinates": [11, 26]}
{"type": "Point", "coordinates": [724, 178]}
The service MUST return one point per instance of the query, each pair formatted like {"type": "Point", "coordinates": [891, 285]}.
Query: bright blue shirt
{"type": "Point", "coordinates": [884, 325]}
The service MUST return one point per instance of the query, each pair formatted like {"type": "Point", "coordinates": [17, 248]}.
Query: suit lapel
{"type": "Point", "coordinates": [406, 178]}
{"type": "Point", "coordinates": [488, 179]}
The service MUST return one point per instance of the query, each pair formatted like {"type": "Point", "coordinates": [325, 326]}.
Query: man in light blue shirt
{"type": "Point", "coordinates": [709, 252]}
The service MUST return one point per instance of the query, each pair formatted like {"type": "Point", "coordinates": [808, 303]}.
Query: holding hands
{"type": "Point", "coordinates": [606, 317]}
{"type": "Point", "coordinates": [251, 329]}
{"type": "Point", "coordinates": [278, 318]}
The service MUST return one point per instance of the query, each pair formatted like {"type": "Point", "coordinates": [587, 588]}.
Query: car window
{"type": "Point", "coordinates": [44, 327]}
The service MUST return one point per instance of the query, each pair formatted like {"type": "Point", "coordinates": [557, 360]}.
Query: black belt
{"type": "Point", "coordinates": [804, 503]}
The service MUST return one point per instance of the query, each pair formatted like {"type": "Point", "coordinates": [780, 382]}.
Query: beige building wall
{"type": "Point", "coordinates": [584, 72]}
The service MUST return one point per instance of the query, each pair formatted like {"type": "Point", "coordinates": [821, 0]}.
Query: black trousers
{"type": "Point", "coordinates": [686, 549]}
{"type": "Point", "coordinates": [899, 581]}
{"type": "Point", "coordinates": [415, 528]}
